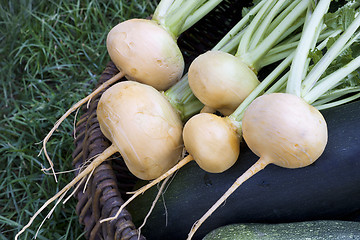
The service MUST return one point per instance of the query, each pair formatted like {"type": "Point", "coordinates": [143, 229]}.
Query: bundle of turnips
{"type": "Point", "coordinates": [264, 17]}
{"type": "Point", "coordinates": [209, 137]}
{"type": "Point", "coordinates": [282, 127]}
{"type": "Point", "coordinates": [160, 111]}
{"type": "Point", "coordinates": [146, 50]}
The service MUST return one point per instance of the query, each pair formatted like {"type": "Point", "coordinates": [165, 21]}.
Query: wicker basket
{"type": "Point", "coordinates": [106, 189]}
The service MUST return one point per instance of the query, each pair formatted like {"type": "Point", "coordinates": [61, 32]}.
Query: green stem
{"type": "Point", "coordinates": [199, 14]}
{"type": "Point", "coordinates": [261, 30]}
{"type": "Point", "coordinates": [183, 100]}
{"type": "Point", "coordinates": [232, 44]}
{"type": "Point", "coordinates": [252, 57]}
{"type": "Point", "coordinates": [340, 45]}
{"type": "Point", "coordinates": [245, 41]}
{"type": "Point", "coordinates": [307, 41]}
{"type": "Point", "coordinates": [295, 37]}
{"type": "Point", "coordinates": [288, 35]}
{"type": "Point", "coordinates": [339, 102]}
{"type": "Point", "coordinates": [335, 94]}
{"type": "Point", "coordinates": [280, 18]}
{"type": "Point", "coordinates": [177, 16]}
{"type": "Point", "coordinates": [331, 80]}
{"type": "Point", "coordinates": [276, 54]}
{"type": "Point", "coordinates": [237, 30]}
{"type": "Point", "coordinates": [237, 115]}
{"type": "Point", "coordinates": [161, 11]}
{"type": "Point", "coordinates": [279, 84]}
{"type": "Point", "coordinates": [283, 50]}
{"type": "Point", "coordinates": [176, 4]}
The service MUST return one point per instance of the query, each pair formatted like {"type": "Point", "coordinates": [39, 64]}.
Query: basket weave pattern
{"type": "Point", "coordinates": [107, 187]}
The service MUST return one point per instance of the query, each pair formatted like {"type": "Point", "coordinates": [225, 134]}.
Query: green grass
{"type": "Point", "coordinates": [52, 53]}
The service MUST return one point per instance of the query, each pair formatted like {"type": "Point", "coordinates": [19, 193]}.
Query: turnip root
{"type": "Point", "coordinates": [72, 109]}
{"type": "Point", "coordinates": [221, 81]}
{"type": "Point", "coordinates": [283, 129]}
{"type": "Point", "coordinates": [215, 144]}
{"type": "Point", "coordinates": [145, 52]}
{"type": "Point", "coordinates": [143, 125]}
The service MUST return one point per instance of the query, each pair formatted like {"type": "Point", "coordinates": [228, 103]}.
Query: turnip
{"type": "Point", "coordinates": [143, 125]}
{"type": "Point", "coordinates": [284, 128]}
{"type": "Point", "coordinates": [221, 81]}
{"type": "Point", "coordinates": [146, 50]}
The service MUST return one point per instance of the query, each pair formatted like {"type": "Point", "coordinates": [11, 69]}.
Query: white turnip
{"type": "Point", "coordinates": [285, 130]}
{"type": "Point", "coordinates": [216, 144]}
{"type": "Point", "coordinates": [145, 52]}
{"type": "Point", "coordinates": [142, 125]}
{"type": "Point", "coordinates": [221, 81]}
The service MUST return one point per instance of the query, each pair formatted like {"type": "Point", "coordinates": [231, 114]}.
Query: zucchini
{"type": "Point", "coordinates": [311, 230]}
{"type": "Point", "coordinates": [328, 189]}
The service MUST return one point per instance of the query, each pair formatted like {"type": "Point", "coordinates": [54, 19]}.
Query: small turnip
{"type": "Point", "coordinates": [220, 80]}
{"type": "Point", "coordinates": [212, 141]}
{"type": "Point", "coordinates": [145, 52]}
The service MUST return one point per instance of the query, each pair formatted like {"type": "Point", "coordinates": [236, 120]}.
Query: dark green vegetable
{"type": "Point", "coordinates": [311, 230]}
{"type": "Point", "coordinates": [327, 189]}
